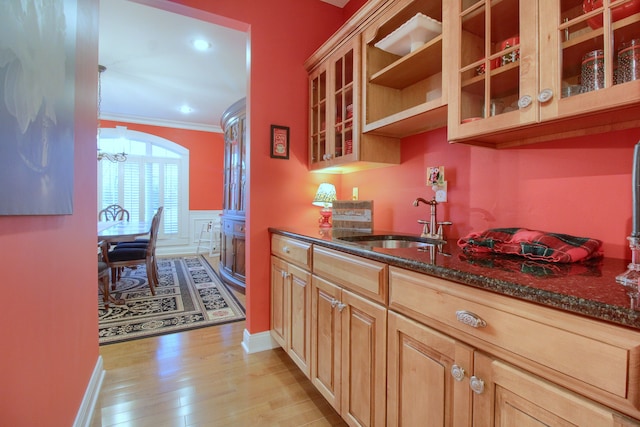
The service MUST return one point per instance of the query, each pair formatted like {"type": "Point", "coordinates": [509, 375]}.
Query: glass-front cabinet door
{"type": "Point", "coordinates": [520, 63]}
{"type": "Point", "coordinates": [590, 56]}
{"type": "Point", "coordinates": [318, 117]}
{"type": "Point", "coordinates": [495, 77]}
{"type": "Point", "coordinates": [333, 110]}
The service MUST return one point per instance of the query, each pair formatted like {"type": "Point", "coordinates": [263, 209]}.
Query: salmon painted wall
{"type": "Point", "coordinates": [48, 319]}
{"type": "Point", "coordinates": [578, 186]}
{"type": "Point", "coordinates": [283, 34]}
{"type": "Point", "coordinates": [206, 160]}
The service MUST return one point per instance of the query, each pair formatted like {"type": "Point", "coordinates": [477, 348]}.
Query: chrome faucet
{"type": "Point", "coordinates": [429, 229]}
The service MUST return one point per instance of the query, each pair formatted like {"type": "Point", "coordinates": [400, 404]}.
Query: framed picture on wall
{"type": "Point", "coordinates": [279, 142]}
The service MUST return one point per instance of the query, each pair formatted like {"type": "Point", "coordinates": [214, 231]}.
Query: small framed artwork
{"type": "Point", "coordinates": [279, 142]}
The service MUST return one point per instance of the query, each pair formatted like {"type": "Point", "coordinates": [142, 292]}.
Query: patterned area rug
{"type": "Point", "coordinates": [189, 296]}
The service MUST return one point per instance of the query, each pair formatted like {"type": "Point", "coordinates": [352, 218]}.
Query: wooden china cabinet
{"type": "Point", "coordinates": [232, 250]}
{"type": "Point", "coordinates": [526, 71]}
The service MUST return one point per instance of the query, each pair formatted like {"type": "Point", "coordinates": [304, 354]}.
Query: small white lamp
{"type": "Point", "coordinates": [325, 196]}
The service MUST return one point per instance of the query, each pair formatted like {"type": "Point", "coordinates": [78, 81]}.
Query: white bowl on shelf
{"type": "Point", "coordinates": [411, 35]}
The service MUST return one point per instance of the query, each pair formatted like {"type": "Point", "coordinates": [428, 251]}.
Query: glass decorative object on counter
{"type": "Point", "coordinates": [630, 278]}
{"type": "Point", "coordinates": [629, 61]}
{"type": "Point", "coordinates": [592, 77]}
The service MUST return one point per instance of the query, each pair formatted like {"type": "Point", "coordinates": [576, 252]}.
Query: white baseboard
{"type": "Point", "coordinates": [258, 342]}
{"type": "Point", "coordinates": [88, 404]}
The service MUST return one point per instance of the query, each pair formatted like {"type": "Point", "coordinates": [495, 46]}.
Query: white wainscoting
{"type": "Point", "coordinates": [196, 220]}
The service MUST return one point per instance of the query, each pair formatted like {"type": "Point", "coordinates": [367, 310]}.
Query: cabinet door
{"type": "Point", "coordinates": [239, 264]}
{"type": "Point", "coordinates": [495, 78]}
{"type": "Point", "coordinates": [227, 252]}
{"type": "Point", "coordinates": [585, 47]}
{"type": "Point", "coordinates": [279, 303]}
{"type": "Point", "coordinates": [334, 128]}
{"type": "Point", "coordinates": [345, 133]}
{"type": "Point", "coordinates": [326, 339]}
{"type": "Point", "coordinates": [299, 308]}
{"type": "Point", "coordinates": [426, 375]}
{"type": "Point", "coordinates": [318, 143]}
{"type": "Point", "coordinates": [364, 331]}
{"type": "Point", "coordinates": [507, 396]}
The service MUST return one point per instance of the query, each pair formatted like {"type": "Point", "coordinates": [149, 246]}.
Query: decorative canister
{"type": "Point", "coordinates": [512, 56]}
{"type": "Point", "coordinates": [593, 70]}
{"type": "Point", "coordinates": [629, 61]}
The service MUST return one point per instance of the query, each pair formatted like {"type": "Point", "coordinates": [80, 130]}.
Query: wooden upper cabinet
{"type": "Point", "coordinates": [336, 141]}
{"type": "Point", "coordinates": [403, 88]}
{"type": "Point", "coordinates": [527, 71]}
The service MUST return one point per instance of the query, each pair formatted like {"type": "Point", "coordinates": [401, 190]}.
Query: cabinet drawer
{"type": "Point", "coordinates": [366, 277]}
{"type": "Point", "coordinates": [233, 227]}
{"type": "Point", "coordinates": [294, 251]}
{"type": "Point", "coordinates": [567, 346]}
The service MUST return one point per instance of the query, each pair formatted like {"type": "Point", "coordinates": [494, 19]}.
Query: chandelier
{"type": "Point", "coordinates": [112, 157]}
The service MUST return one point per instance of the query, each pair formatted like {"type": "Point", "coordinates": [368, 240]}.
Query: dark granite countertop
{"type": "Point", "coordinates": [588, 289]}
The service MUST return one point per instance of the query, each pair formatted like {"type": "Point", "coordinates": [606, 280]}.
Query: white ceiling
{"type": "Point", "coordinates": [153, 70]}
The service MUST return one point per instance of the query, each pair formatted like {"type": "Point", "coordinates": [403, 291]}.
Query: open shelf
{"type": "Point", "coordinates": [413, 67]}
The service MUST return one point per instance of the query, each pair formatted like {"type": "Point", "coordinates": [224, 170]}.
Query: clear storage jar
{"type": "Point", "coordinates": [629, 61]}
{"type": "Point", "coordinates": [592, 75]}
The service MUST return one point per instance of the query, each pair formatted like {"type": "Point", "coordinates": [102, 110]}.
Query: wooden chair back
{"type": "Point", "coordinates": [113, 213]}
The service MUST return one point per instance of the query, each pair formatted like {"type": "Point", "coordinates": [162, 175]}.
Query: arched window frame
{"type": "Point", "coordinates": [179, 213]}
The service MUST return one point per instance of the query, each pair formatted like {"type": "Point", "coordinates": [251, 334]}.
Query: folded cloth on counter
{"type": "Point", "coordinates": [532, 244]}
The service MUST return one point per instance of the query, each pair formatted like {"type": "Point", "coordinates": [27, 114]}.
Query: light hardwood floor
{"type": "Point", "coordinates": [204, 378]}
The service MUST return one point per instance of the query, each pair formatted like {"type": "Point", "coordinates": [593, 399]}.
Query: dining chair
{"type": "Point", "coordinates": [132, 256]}
{"type": "Point", "coordinates": [103, 278]}
{"type": "Point", "coordinates": [113, 213]}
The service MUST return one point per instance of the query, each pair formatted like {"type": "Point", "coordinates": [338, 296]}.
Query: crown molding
{"type": "Point", "coordinates": [164, 123]}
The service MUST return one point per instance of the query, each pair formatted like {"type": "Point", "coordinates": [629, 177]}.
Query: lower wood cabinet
{"type": "Point", "coordinates": [291, 311]}
{"type": "Point", "coordinates": [391, 347]}
{"type": "Point", "coordinates": [291, 299]}
{"type": "Point", "coordinates": [232, 252]}
{"type": "Point", "coordinates": [426, 376]}
{"type": "Point", "coordinates": [507, 396]}
{"type": "Point", "coordinates": [348, 352]}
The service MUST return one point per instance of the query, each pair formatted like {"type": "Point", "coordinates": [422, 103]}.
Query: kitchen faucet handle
{"type": "Point", "coordinates": [440, 231]}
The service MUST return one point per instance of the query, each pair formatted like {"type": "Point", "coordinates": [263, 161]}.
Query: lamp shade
{"type": "Point", "coordinates": [325, 195]}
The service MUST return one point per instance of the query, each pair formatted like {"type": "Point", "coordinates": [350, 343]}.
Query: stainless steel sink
{"type": "Point", "coordinates": [392, 241]}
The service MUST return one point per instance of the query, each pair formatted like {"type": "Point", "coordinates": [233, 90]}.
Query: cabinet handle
{"type": "Point", "coordinates": [457, 373]}
{"type": "Point", "coordinates": [470, 319]}
{"type": "Point", "coordinates": [524, 101]}
{"type": "Point", "coordinates": [285, 249]}
{"type": "Point", "coordinates": [545, 95]}
{"type": "Point", "coordinates": [334, 302]}
{"type": "Point", "coordinates": [476, 384]}
{"type": "Point", "coordinates": [341, 306]}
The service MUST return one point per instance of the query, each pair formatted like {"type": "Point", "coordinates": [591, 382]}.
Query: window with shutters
{"type": "Point", "coordinates": [156, 173]}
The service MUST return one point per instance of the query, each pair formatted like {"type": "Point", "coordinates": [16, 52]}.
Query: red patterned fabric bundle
{"type": "Point", "coordinates": [539, 245]}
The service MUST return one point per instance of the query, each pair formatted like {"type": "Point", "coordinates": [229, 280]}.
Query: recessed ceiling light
{"type": "Point", "coordinates": [185, 109]}
{"type": "Point", "coordinates": [201, 44]}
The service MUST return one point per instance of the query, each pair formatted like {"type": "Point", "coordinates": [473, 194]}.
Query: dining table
{"type": "Point", "coordinates": [122, 231]}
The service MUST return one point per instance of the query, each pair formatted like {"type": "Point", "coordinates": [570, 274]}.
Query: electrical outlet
{"type": "Point", "coordinates": [441, 192]}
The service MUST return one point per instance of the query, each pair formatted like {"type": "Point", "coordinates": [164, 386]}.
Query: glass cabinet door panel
{"type": "Point", "coordinates": [343, 75]}
{"type": "Point", "coordinates": [474, 62]}
{"type": "Point", "coordinates": [504, 85]}
{"type": "Point", "coordinates": [492, 76]}
{"type": "Point", "coordinates": [318, 118]}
